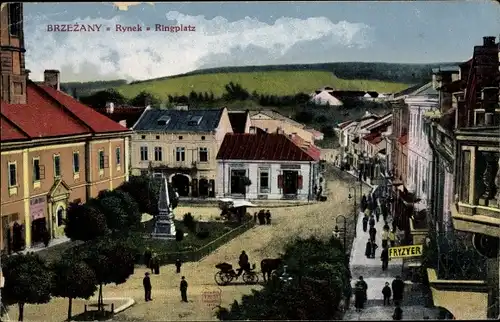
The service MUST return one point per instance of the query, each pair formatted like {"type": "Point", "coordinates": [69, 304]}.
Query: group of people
{"type": "Point", "coordinates": [146, 283]}
{"type": "Point", "coordinates": [371, 215]}
{"type": "Point", "coordinates": [396, 292]}
{"type": "Point", "coordinates": [263, 216]}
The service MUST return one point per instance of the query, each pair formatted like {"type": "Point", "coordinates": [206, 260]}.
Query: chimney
{"type": "Point", "coordinates": [110, 107]}
{"type": "Point", "coordinates": [51, 78]}
{"type": "Point", "coordinates": [489, 41]}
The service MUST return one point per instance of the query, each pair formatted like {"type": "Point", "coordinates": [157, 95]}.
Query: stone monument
{"type": "Point", "coordinates": [164, 226]}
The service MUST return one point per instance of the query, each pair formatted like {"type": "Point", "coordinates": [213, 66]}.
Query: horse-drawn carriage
{"type": "Point", "coordinates": [234, 208]}
{"type": "Point", "coordinates": [227, 274]}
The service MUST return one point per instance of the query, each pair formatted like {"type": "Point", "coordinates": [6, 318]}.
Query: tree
{"type": "Point", "coordinates": [120, 209]}
{"type": "Point", "coordinates": [235, 92]}
{"type": "Point", "coordinates": [100, 98]}
{"type": "Point", "coordinates": [73, 279]}
{"type": "Point", "coordinates": [112, 262]}
{"type": "Point", "coordinates": [144, 99]}
{"type": "Point", "coordinates": [85, 222]}
{"type": "Point", "coordinates": [245, 182]}
{"type": "Point", "coordinates": [27, 280]}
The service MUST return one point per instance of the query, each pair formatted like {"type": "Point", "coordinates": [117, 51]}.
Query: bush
{"type": "Point", "coordinates": [189, 222]}
{"type": "Point", "coordinates": [179, 235]}
{"type": "Point", "coordinates": [203, 234]}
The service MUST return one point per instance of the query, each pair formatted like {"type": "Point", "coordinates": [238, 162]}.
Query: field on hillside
{"type": "Point", "coordinates": [270, 82]}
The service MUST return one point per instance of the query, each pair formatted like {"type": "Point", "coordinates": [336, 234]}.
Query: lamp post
{"type": "Point", "coordinates": [356, 211]}
{"type": "Point", "coordinates": [344, 229]}
{"type": "Point", "coordinates": [285, 277]}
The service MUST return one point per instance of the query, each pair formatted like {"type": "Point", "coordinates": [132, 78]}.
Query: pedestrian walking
{"type": "Point", "coordinates": [147, 257]}
{"type": "Point", "coordinates": [384, 257]}
{"type": "Point", "coordinates": [377, 213]}
{"type": "Point", "coordinates": [384, 211]}
{"type": "Point", "coordinates": [255, 217]}
{"type": "Point", "coordinates": [146, 282]}
{"type": "Point", "coordinates": [374, 248]}
{"type": "Point", "coordinates": [386, 226]}
{"type": "Point", "coordinates": [385, 238]}
{"type": "Point", "coordinates": [386, 291]}
{"type": "Point", "coordinates": [358, 297]}
{"type": "Point", "coordinates": [397, 289]}
{"type": "Point", "coordinates": [363, 203]}
{"type": "Point", "coordinates": [368, 249]}
{"type": "Point", "coordinates": [392, 238]}
{"type": "Point", "coordinates": [178, 265]}
{"type": "Point", "coordinates": [373, 233]}
{"type": "Point", "coordinates": [398, 313]}
{"type": "Point", "coordinates": [268, 217]}
{"type": "Point", "coordinates": [372, 221]}
{"type": "Point", "coordinates": [183, 288]}
{"type": "Point", "coordinates": [365, 223]}
{"type": "Point", "coordinates": [364, 287]}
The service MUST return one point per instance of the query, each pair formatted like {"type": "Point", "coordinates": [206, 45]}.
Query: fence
{"type": "Point", "coordinates": [198, 254]}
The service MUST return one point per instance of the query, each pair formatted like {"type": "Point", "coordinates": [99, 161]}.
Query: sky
{"type": "Point", "coordinates": [248, 33]}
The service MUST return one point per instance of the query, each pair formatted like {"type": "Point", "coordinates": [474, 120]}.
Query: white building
{"type": "Point", "coordinates": [419, 150]}
{"type": "Point", "coordinates": [276, 166]}
{"type": "Point", "coordinates": [325, 97]}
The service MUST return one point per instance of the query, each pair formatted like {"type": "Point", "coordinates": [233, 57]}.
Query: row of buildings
{"type": "Point", "coordinates": [56, 151]}
{"type": "Point", "coordinates": [436, 158]}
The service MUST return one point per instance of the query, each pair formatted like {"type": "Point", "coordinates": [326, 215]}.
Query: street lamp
{"type": "Point", "coordinates": [285, 277]}
{"type": "Point", "coordinates": [344, 229]}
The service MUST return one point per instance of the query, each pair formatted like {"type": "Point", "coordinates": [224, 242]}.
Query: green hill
{"type": "Point", "coordinates": [267, 82]}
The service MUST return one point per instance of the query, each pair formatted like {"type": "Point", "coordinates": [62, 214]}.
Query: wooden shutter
{"type": "Point", "coordinates": [280, 181]}
{"type": "Point", "coordinates": [194, 189]}
{"type": "Point", "coordinates": [42, 172]}
{"type": "Point", "coordinates": [299, 182]}
{"type": "Point", "coordinates": [106, 161]}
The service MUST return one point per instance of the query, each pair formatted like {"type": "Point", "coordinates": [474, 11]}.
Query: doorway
{"type": "Point", "coordinates": [181, 183]}
{"type": "Point", "coordinates": [290, 182]}
{"type": "Point", "coordinates": [203, 187]}
{"type": "Point", "coordinates": [38, 228]}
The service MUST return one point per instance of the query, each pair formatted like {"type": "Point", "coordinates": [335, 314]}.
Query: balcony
{"type": "Point", "coordinates": [181, 165]}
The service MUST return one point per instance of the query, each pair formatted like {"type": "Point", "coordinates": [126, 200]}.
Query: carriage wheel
{"type": "Point", "coordinates": [250, 278]}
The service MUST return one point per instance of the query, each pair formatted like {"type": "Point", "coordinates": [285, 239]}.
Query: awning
{"type": "Point", "coordinates": [242, 203]}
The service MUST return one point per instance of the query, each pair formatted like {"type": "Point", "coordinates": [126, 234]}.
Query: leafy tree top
{"type": "Point", "coordinates": [27, 279]}
{"type": "Point", "coordinates": [85, 221]}
{"type": "Point", "coordinates": [73, 279]}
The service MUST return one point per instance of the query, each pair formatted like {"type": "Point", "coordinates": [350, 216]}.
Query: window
{"type": "Point", "coordinates": [157, 137]}
{"type": "Point", "coordinates": [12, 174]}
{"type": "Point", "coordinates": [76, 162]}
{"type": "Point", "coordinates": [144, 153]}
{"type": "Point", "coordinates": [203, 155]}
{"type": "Point", "coordinates": [203, 138]}
{"type": "Point", "coordinates": [60, 216]}
{"type": "Point", "coordinates": [264, 180]}
{"type": "Point", "coordinates": [158, 154]}
{"type": "Point", "coordinates": [15, 19]}
{"type": "Point", "coordinates": [57, 165]}
{"type": "Point", "coordinates": [143, 137]}
{"type": "Point", "coordinates": [180, 154]}
{"type": "Point", "coordinates": [118, 153]}
{"type": "Point", "coordinates": [36, 169]}
{"type": "Point", "coordinates": [180, 137]}
{"type": "Point", "coordinates": [237, 181]}
{"type": "Point", "coordinates": [101, 160]}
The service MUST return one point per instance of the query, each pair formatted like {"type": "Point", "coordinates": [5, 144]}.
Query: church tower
{"type": "Point", "coordinates": [13, 73]}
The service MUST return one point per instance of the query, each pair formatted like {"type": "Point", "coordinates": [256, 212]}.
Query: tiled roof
{"type": "Point", "coordinates": [373, 138]}
{"type": "Point", "coordinates": [269, 147]}
{"type": "Point", "coordinates": [51, 113]}
{"type": "Point", "coordinates": [310, 148]}
{"type": "Point", "coordinates": [202, 120]}
{"type": "Point", "coordinates": [128, 114]}
{"type": "Point", "coordinates": [276, 116]}
{"type": "Point", "coordinates": [238, 121]}
{"type": "Point", "coordinates": [344, 124]}
{"type": "Point", "coordinates": [409, 90]}
{"type": "Point", "coordinates": [314, 132]}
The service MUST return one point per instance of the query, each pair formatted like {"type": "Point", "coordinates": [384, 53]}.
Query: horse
{"type": "Point", "coordinates": [268, 265]}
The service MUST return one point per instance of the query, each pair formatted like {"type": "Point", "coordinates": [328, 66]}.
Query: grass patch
{"type": "Point", "coordinates": [266, 82]}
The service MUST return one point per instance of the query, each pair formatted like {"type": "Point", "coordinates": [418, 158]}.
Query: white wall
{"type": "Point", "coordinates": [223, 185]}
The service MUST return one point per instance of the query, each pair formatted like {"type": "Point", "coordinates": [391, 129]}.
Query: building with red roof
{"type": "Point", "coordinates": [277, 166]}
{"type": "Point", "coordinates": [54, 149]}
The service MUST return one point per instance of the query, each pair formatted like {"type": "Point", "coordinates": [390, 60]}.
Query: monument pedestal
{"type": "Point", "coordinates": [164, 226]}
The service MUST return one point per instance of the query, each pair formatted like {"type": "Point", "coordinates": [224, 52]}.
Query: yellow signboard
{"type": "Point", "coordinates": [406, 251]}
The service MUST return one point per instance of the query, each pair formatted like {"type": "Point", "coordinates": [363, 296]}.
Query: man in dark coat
{"type": "Point", "coordinates": [374, 248]}
{"type": "Point", "coordinates": [243, 262]}
{"type": "Point", "coordinates": [398, 313]}
{"type": "Point", "coordinates": [146, 282]}
{"type": "Point", "coordinates": [268, 217]}
{"type": "Point", "coordinates": [368, 249]}
{"type": "Point", "coordinates": [377, 213]}
{"type": "Point", "coordinates": [363, 203]}
{"type": "Point", "coordinates": [384, 257]}
{"type": "Point", "coordinates": [384, 211]}
{"type": "Point", "coordinates": [255, 217]}
{"type": "Point", "coordinates": [361, 283]}
{"type": "Point", "coordinates": [178, 265]}
{"type": "Point", "coordinates": [365, 223]}
{"type": "Point", "coordinates": [373, 233]}
{"type": "Point", "coordinates": [261, 217]}
{"type": "Point", "coordinates": [183, 288]}
{"type": "Point", "coordinates": [147, 257]}
{"type": "Point", "coordinates": [386, 291]}
{"type": "Point", "coordinates": [397, 289]}
{"type": "Point", "coordinates": [372, 221]}
{"type": "Point", "coordinates": [359, 294]}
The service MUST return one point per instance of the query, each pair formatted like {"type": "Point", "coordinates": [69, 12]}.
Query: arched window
{"type": "Point", "coordinates": [60, 216]}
